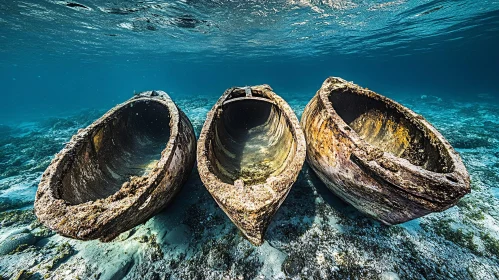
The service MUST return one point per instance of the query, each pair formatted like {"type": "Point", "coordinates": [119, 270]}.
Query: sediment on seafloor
{"type": "Point", "coordinates": [314, 234]}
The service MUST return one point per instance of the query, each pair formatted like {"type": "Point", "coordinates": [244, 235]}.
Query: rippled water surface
{"type": "Point", "coordinates": [245, 28]}
{"type": "Point", "coordinates": [100, 52]}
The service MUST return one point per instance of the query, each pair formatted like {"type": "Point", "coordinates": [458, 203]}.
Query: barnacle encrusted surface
{"type": "Point", "coordinates": [250, 152]}
{"type": "Point", "coordinates": [379, 156]}
{"type": "Point", "coordinates": [119, 171]}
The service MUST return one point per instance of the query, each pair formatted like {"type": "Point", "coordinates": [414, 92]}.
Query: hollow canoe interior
{"type": "Point", "coordinates": [128, 144]}
{"type": "Point", "coordinates": [252, 142]}
{"type": "Point", "coordinates": [386, 128]}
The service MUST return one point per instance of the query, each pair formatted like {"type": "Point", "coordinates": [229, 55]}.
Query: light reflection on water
{"type": "Point", "coordinates": [243, 28]}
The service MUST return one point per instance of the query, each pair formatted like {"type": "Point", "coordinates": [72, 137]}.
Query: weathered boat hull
{"type": "Point", "coordinates": [119, 171]}
{"type": "Point", "coordinates": [379, 156]}
{"type": "Point", "coordinates": [250, 152]}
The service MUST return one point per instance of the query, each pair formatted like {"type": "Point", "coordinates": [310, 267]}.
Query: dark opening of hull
{"type": "Point", "coordinates": [252, 142]}
{"type": "Point", "coordinates": [129, 144]}
{"type": "Point", "coordinates": [384, 127]}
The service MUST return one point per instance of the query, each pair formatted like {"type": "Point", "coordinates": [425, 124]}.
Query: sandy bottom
{"type": "Point", "coordinates": [314, 235]}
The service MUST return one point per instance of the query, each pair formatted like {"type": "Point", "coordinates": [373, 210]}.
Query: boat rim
{"type": "Point", "coordinates": [213, 182]}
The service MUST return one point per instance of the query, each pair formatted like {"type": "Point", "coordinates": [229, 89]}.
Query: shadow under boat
{"type": "Point", "coordinates": [194, 218]}
{"type": "Point", "coordinates": [119, 171]}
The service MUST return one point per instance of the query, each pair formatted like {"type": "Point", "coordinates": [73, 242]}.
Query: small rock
{"type": "Point", "coordinates": [293, 265]}
{"type": "Point", "coordinates": [12, 242]}
{"type": "Point", "coordinates": [125, 235]}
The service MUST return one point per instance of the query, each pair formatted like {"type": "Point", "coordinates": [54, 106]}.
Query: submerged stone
{"type": "Point", "coordinates": [12, 242]}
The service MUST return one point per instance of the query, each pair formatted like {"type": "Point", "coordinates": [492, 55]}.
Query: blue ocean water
{"type": "Point", "coordinates": [63, 64]}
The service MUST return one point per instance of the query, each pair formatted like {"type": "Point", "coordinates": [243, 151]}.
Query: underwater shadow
{"type": "Point", "coordinates": [296, 214]}
{"type": "Point", "coordinates": [338, 204]}
{"type": "Point", "coordinates": [302, 205]}
{"type": "Point", "coordinates": [194, 230]}
{"type": "Point", "coordinates": [344, 209]}
{"type": "Point", "coordinates": [194, 218]}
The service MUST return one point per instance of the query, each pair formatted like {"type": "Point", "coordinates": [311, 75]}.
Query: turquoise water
{"type": "Point", "coordinates": [63, 64]}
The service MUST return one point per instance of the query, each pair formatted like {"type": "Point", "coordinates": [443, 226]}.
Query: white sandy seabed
{"type": "Point", "coordinates": [314, 235]}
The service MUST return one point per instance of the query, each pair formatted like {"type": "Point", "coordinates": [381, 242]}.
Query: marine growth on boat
{"type": "Point", "coordinates": [384, 159]}
{"type": "Point", "coordinates": [250, 151]}
{"type": "Point", "coordinates": [119, 171]}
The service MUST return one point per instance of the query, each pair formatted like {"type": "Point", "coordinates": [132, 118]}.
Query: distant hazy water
{"type": "Point", "coordinates": [58, 56]}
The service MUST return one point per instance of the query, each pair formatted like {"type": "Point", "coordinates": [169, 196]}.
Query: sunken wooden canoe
{"type": "Point", "coordinates": [379, 156]}
{"type": "Point", "coordinates": [250, 151]}
{"type": "Point", "coordinates": [119, 171]}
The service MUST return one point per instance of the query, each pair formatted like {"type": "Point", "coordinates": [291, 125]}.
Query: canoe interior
{"type": "Point", "coordinates": [386, 128]}
{"type": "Point", "coordinates": [252, 141]}
{"type": "Point", "coordinates": [130, 144]}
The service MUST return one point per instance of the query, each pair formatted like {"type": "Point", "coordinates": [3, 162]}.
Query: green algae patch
{"type": "Point", "coordinates": [17, 217]}
{"type": "Point", "coordinates": [16, 243]}
{"type": "Point", "coordinates": [491, 244]}
{"type": "Point", "coordinates": [23, 275]}
{"type": "Point", "coordinates": [64, 251]}
{"type": "Point", "coordinates": [458, 236]}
